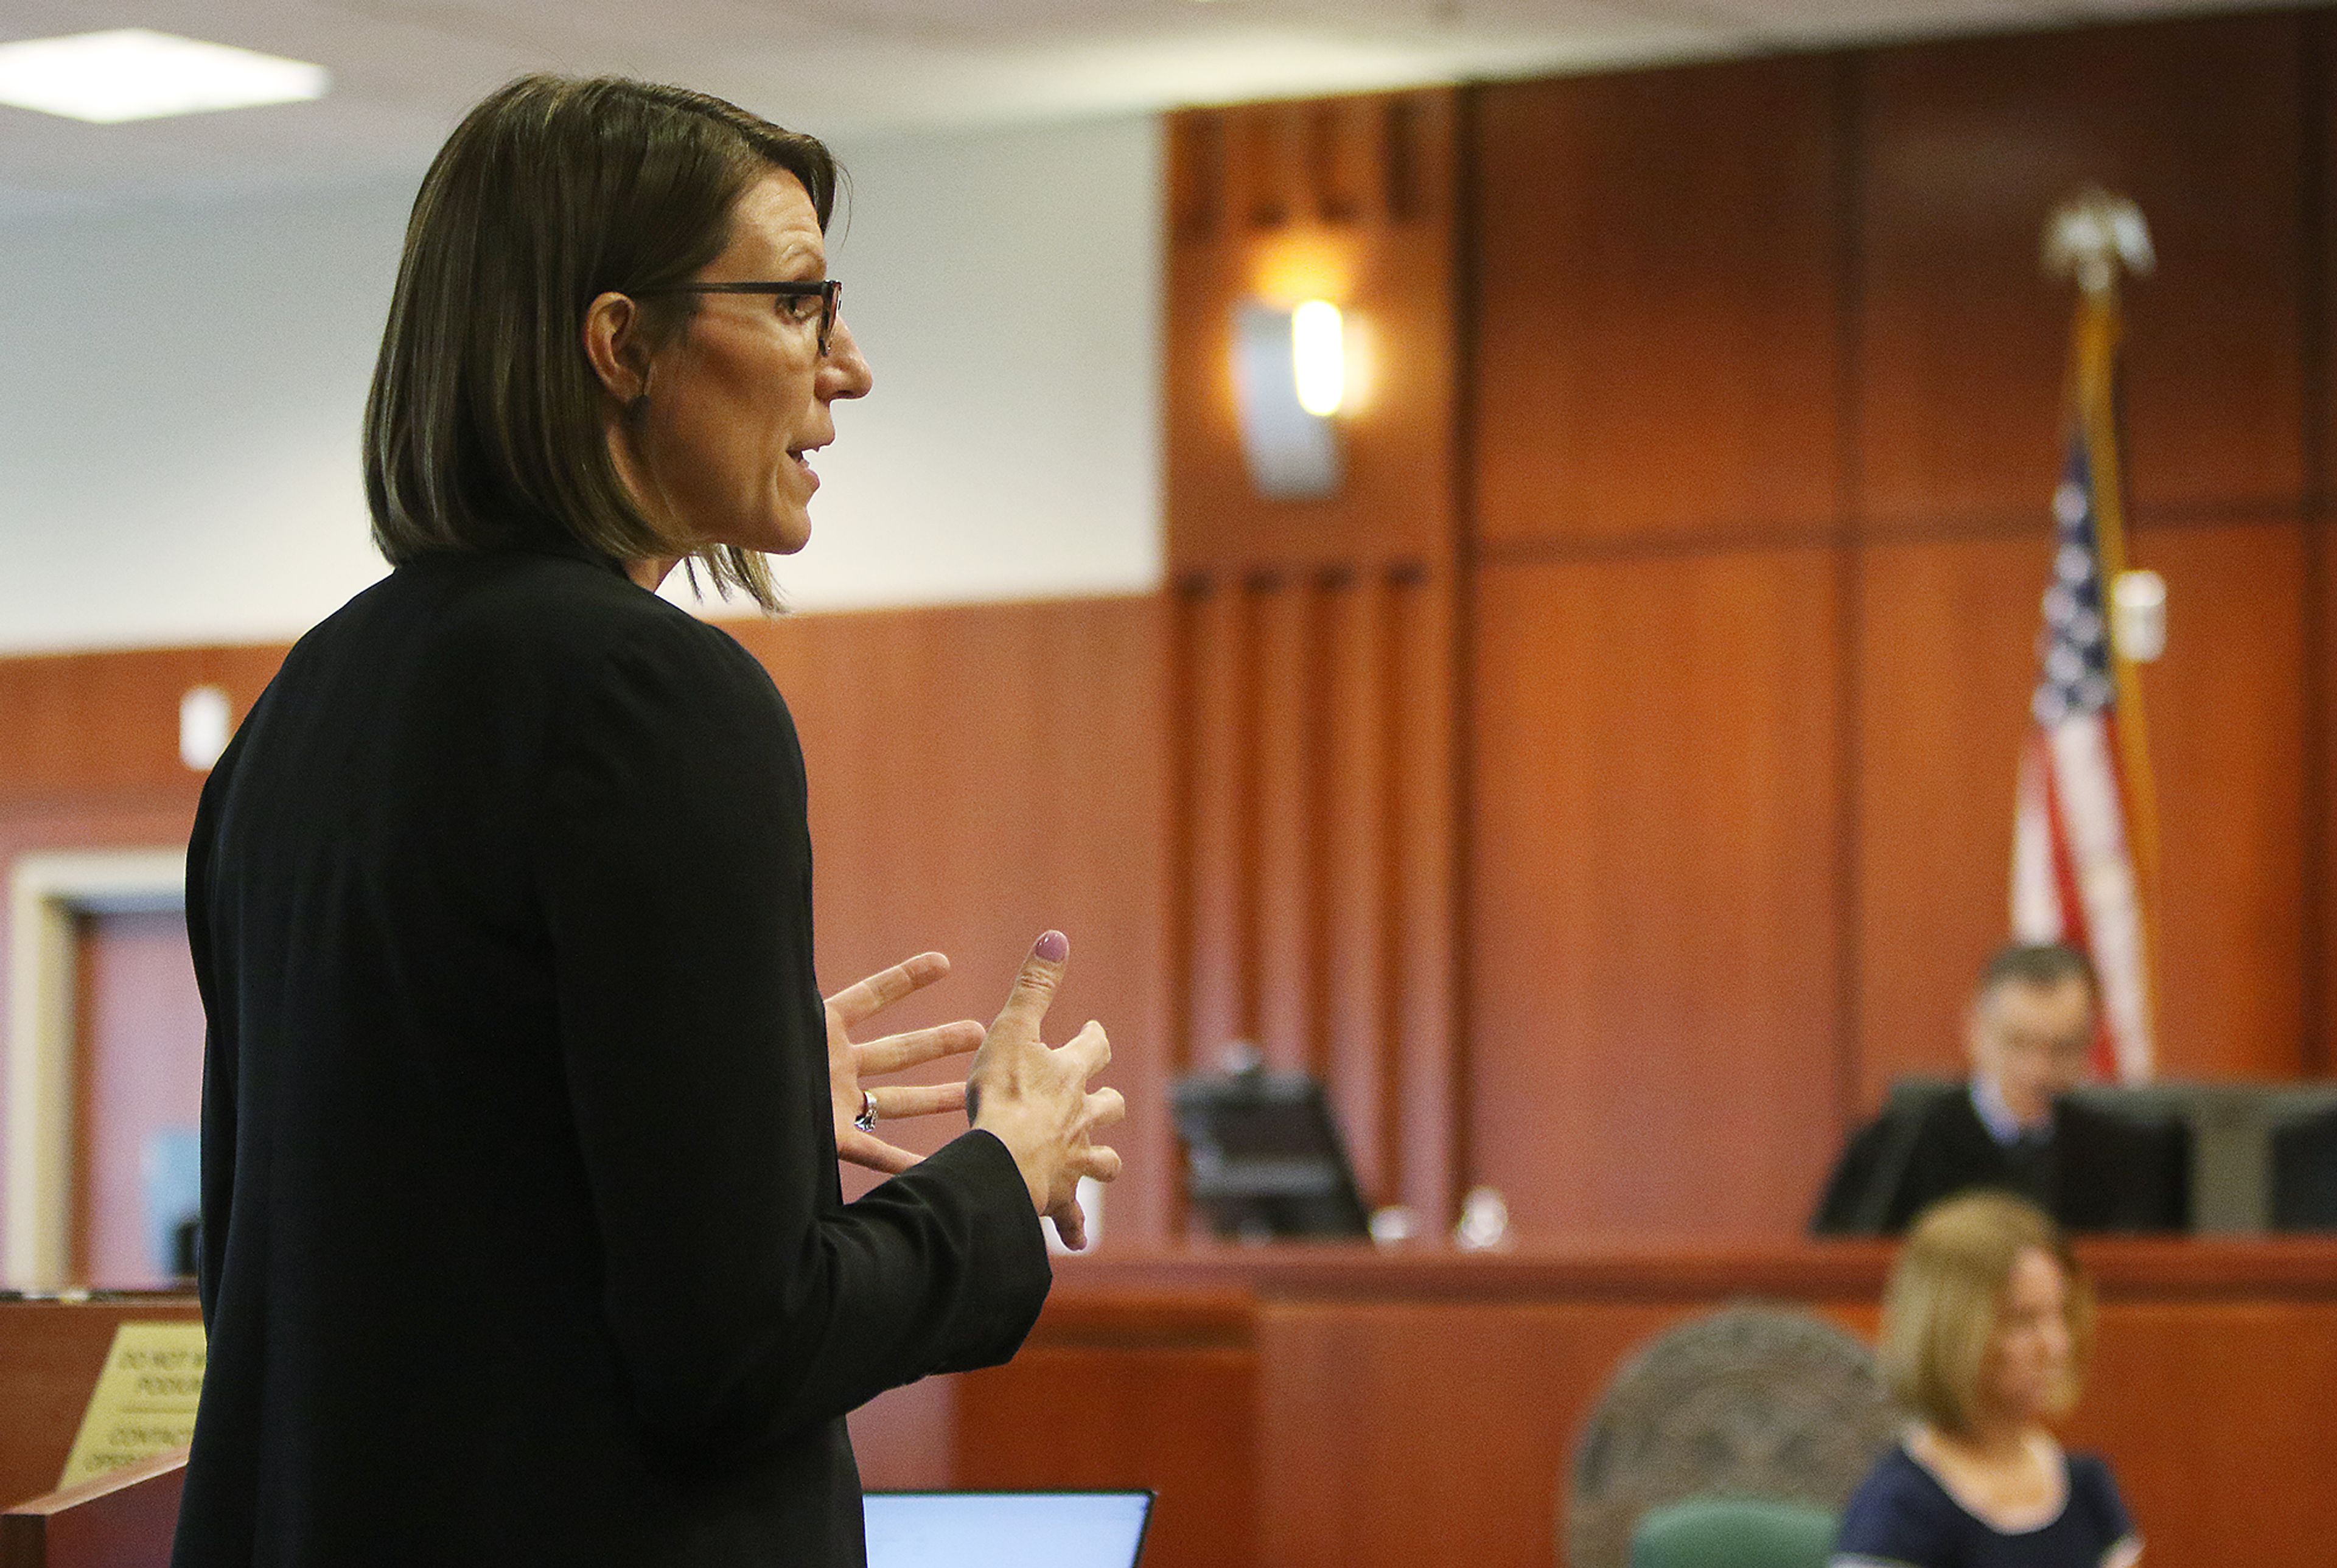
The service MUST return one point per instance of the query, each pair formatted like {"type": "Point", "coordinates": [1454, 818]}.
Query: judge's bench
{"type": "Point", "coordinates": [1305, 1405]}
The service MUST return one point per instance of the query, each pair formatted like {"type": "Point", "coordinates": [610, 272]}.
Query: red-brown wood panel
{"type": "Point", "coordinates": [1389, 267]}
{"type": "Point", "coordinates": [1945, 666]}
{"type": "Point", "coordinates": [1356, 831]}
{"type": "Point", "coordinates": [1319, 819]}
{"type": "Point", "coordinates": [1220, 958]}
{"type": "Point", "coordinates": [2226, 708]}
{"type": "Point", "coordinates": [1158, 1392]}
{"type": "Point", "coordinates": [2197, 1404]}
{"type": "Point", "coordinates": [1476, 1471]}
{"type": "Point", "coordinates": [1653, 905]}
{"type": "Point", "coordinates": [1288, 821]}
{"type": "Point", "coordinates": [2318, 1044]}
{"type": "Point", "coordinates": [1945, 662]}
{"type": "Point", "coordinates": [2244, 1472]}
{"type": "Point", "coordinates": [1659, 295]}
{"type": "Point", "coordinates": [978, 775]}
{"type": "Point", "coordinates": [1424, 813]}
{"type": "Point", "coordinates": [87, 726]}
{"type": "Point", "coordinates": [1966, 148]}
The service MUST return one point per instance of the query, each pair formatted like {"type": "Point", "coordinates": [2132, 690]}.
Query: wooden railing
{"type": "Point", "coordinates": [122, 1519]}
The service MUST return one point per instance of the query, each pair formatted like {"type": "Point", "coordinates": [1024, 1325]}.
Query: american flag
{"type": "Point", "coordinates": [2075, 872]}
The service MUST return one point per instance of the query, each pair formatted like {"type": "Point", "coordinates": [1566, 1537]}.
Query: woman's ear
{"type": "Point", "coordinates": [617, 345]}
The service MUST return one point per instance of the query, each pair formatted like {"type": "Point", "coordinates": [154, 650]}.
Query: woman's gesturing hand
{"type": "Point", "coordinates": [1035, 1097]}
{"type": "Point", "coordinates": [850, 1064]}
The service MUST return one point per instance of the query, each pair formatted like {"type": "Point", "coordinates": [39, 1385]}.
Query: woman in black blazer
{"type": "Point", "coordinates": [522, 1240]}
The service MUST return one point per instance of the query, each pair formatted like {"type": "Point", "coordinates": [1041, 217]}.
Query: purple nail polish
{"type": "Point", "coordinates": [1054, 947]}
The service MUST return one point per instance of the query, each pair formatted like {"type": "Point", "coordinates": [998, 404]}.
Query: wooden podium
{"type": "Point", "coordinates": [50, 1352]}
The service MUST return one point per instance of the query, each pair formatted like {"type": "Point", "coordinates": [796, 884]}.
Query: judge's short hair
{"type": "Point", "coordinates": [485, 426]}
{"type": "Point", "coordinates": [1941, 1305]}
{"type": "Point", "coordinates": [2040, 964]}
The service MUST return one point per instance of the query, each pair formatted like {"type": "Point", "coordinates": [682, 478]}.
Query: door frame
{"type": "Point", "coordinates": [49, 890]}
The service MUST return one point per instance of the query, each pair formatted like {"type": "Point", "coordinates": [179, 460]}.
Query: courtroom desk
{"type": "Point", "coordinates": [1420, 1408]}
{"type": "Point", "coordinates": [50, 1352]}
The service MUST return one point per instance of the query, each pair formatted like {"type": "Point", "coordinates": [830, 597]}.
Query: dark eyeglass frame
{"type": "Point", "coordinates": [829, 291]}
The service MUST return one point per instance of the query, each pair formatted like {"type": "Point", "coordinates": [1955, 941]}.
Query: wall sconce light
{"type": "Point", "coordinates": [206, 721]}
{"type": "Point", "coordinates": [1290, 376]}
{"type": "Point", "coordinates": [2139, 615]}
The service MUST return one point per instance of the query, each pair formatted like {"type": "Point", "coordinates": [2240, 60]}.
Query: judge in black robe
{"type": "Point", "coordinates": [2030, 1036]}
{"type": "Point", "coordinates": [2092, 1170]}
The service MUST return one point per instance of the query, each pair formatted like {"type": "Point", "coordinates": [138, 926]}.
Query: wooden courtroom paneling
{"type": "Point", "coordinates": [1946, 662]}
{"type": "Point", "coordinates": [1965, 148]}
{"type": "Point", "coordinates": [88, 750]}
{"type": "Point", "coordinates": [2226, 711]}
{"type": "Point", "coordinates": [1349, 200]}
{"type": "Point", "coordinates": [980, 774]}
{"type": "Point", "coordinates": [1658, 348]}
{"type": "Point", "coordinates": [1156, 1392]}
{"type": "Point", "coordinates": [1653, 891]}
{"type": "Point", "coordinates": [1492, 1396]}
{"type": "Point", "coordinates": [1422, 1407]}
{"type": "Point", "coordinates": [1314, 689]}
{"type": "Point", "coordinates": [2240, 1474]}
{"type": "Point", "coordinates": [90, 726]}
{"type": "Point", "coordinates": [1316, 842]}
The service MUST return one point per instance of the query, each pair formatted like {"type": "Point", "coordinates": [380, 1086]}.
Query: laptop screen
{"type": "Point", "coordinates": [1006, 1529]}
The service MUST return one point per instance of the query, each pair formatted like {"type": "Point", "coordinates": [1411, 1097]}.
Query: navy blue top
{"type": "Point", "coordinates": [1902, 1517]}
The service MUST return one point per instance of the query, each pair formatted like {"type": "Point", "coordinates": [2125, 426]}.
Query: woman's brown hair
{"type": "Point", "coordinates": [1940, 1308]}
{"type": "Point", "coordinates": [485, 426]}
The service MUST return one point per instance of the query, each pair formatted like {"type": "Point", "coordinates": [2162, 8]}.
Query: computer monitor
{"type": "Point", "coordinates": [2305, 1167]}
{"type": "Point", "coordinates": [1263, 1157]}
{"type": "Point", "coordinates": [1006, 1529]}
{"type": "Point", "coordinates": [2263, 1157]}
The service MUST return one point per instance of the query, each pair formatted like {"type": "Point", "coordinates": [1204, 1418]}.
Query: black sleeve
{"type": "Point", "coordinates": [747, 1302]}
{"type": "Point", "coordinates": [1845, 1191]}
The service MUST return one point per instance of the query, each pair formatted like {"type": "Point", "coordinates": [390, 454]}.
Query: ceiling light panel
{"type": "Point", "coordinates": [132, 74]}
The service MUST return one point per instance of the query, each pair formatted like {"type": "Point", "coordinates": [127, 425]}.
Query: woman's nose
{"type": "Point", "coordinates": [844, 372]}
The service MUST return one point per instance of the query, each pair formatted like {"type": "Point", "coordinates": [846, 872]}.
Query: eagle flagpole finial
{"type": "Point", "coordinates": [2092, 236]}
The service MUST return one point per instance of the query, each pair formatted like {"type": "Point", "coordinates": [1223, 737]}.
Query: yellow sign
{"type": "Point", "coordinates": [144, 1402]}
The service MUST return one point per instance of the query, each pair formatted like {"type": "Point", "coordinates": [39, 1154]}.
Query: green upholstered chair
{"type": "Point", "coordinates": [1732, 1532]}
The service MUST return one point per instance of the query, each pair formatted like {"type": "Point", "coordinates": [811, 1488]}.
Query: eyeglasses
{"type": "Point", "coordinates": [829, 291]}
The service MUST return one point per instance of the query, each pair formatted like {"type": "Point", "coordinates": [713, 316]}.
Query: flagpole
{"type": "Point", "coordinates": [2093, 238]}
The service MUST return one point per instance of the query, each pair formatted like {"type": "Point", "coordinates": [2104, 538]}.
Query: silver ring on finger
{"type": "Point", "coordinates": [867, 1120]}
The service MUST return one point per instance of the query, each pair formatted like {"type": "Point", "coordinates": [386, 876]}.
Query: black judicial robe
{"type": "Point", "coordinates": [523, 1236]}
{"type": "Point", "coordinates": [2097, 1172]}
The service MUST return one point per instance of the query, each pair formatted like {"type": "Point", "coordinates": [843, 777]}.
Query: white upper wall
{"type": "Point", "coordinates": [182, 395]}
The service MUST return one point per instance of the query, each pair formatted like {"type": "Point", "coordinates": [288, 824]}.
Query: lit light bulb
{"type": "Point", "coordinates": [1319, 357]}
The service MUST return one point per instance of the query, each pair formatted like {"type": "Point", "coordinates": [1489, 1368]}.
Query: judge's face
{"type": "Point", "coordinates": [718, 432]}
{"type": "Point", "coordinates": [2033, 1042]}
{"type": "Point", "coordinates": [2027, 1365]}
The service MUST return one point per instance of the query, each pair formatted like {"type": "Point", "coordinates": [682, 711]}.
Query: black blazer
{"type": "Point", "coordinates": [523, 1238]}
{"type": "Point", "coordinates": [2098, 1171]}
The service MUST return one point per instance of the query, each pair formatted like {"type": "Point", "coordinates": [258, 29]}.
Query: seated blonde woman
{"type": "Point", "coordinates": [1985, 1329]}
